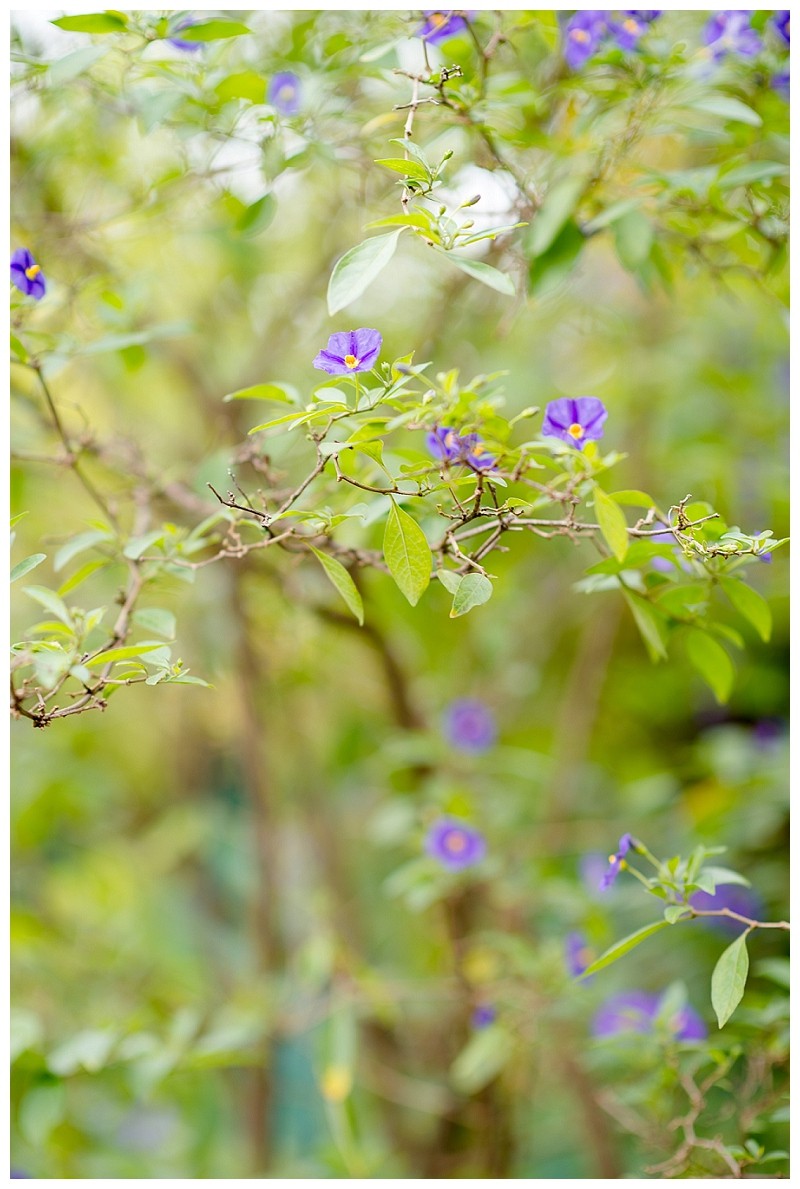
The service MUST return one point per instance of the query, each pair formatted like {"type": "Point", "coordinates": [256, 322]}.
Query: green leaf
{"type": "Point", "coordinates": [482, 1058]}
{"type": "Point", "coordinates": [139, 545]}
{"type": "Point", "coordinates": [449, 580]}
{"type": "Point", "coordinates": [358, 268]}
{"type": "Point", "coordinates": [473, 590]}
{"type": "Point", "coordinates": [676, 912]}
{"type": "Point", "coordinates": [154, 619]}
{"type": "Point", "coordinates": [730, 109]}
{"type": "Point", "coordinates": [94, 22]}
{"type": "Point", "coordinates": [63, 70]}
{"type": "Point", "coordinates": [50, 600]}
{"type": "Point", "coordinates": [122, 654]}
{"type": "Point", "coordinates": [25, 566]}
{"type": "Point", "coordinates": [553, 266]}
{"type": "Point", "coordinates": [342, 581]}
{"type": "Point", "coordinates": [651, 624]}
{"type": "Point", "coordinates": [560, 201]}
{"type": "Point", "coordinates": [624, 947]}
{"type": "Point", "coordinates": [256, 217]}
{"type": "Point", "coordinates": [86, 571]}
{"type": "Point", "coordinates": [284, 394]}
{"type": "Point", "coordinates": [484, 273]}
{"type": "Point", "coordinates": [411, 169]}
{"type": "Point", "coordinates": [419, 219]}
{"type": "Point", "coordinates": [407, 554]}
{"type": "Point", "coordinates": [19, 349]}
{"type": "Point", "coordinates": [750, 604]}
{"type": "Point", "coordinates": [712, 663]}
{"type": "Point", "coordinates": [246, 84]}
{"type": "Point", "coordinates": [633, 239]}
{"type": "Point", "coordinates": [729, 978]}
{"type": "Point", "coordinates": [636, 499]}
{"type": "Point", "coordinates": [214, 30]}
{"type": "Point", "coordinates": [87, 1050]}
{"type": "Point", "coordinates": [750, 172]}
{"type": "Point", "coordinates": [612, 523]}
{"type": "Point", "coordinates": [724, 875]}
{"type": "Point", "coordinates": [77, 545]}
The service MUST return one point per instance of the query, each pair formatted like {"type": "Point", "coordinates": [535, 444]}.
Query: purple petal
{"type": "Point", "coordinates": [330, 363]}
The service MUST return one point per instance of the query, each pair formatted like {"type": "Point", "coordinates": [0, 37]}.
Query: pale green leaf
{"type": "Point", "coordinates": [342, 581]}
{"type": "Point", "coordinates": [729, 978]}
{"type": "Point", "coordinates": [214, 30]}
{"type": "Point", "coordinates": [26, 565]}
{"type": "Point", "coordinates": [122, 654]}
{"type": "Point", "coordinates": [623, 947]}
{"type": "Point", "coordinates": [560, 201]}
{"type": "Point", "coordinates": [407, 554]}
{"type": "Point", "coordinates": [750, 604]}
{"type": "Point", "coordinates": [479, 271]}
{"type": "Point", "coordinates": [612, 523]}
{"type": "Point", "coordinates": [155, 619]}
{"type": "Point", "coordinates": [285, 394]}
{"type": "Point", "coordinates": [473, 590]}
{"type": "Point", "coordinates": [358, 268]}
{"type": "Point", "coordinates": [485, 1054]}
{"type": "Point", "coordinates": [93, 22]}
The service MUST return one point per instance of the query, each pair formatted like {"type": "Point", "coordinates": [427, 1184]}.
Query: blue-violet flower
{"type": "Point", "coordinates": [582, 36]}
{"type": "Point", "coordinates": [470, 725]}
{"type": "Point", "coordinates": [575, 421]}
{"type": "Point", "coordinates": [284, 93]}
{"type": "Point", "coordinates": [616, 862]}
{"type": "Point", "coordinates": [27, 275]}
{"type": "Point", "coordinates": [441, 25]}
{"type": "Point", "coordinates": [450, 446]}
{"type": "Point", "coordinates": [350, 351]}
{"type": "Point", "coordinates": [729, 32]}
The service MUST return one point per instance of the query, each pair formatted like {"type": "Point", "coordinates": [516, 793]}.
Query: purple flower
{"type": "Point", "coordinates": [582, 36]}
{"type": "Point", "coordinates": [179, 43]}
{"type": "Point", "coordinates": [779, 83]}
{"type": "Point", "coordinates": [575, 421]}
{"type": "Point", "coordinates": [349, 351]}
{"type": "Point", "coordinates": [637, 1011]}
{"type": "Point", "coordinates": [451, 446]}
{"type": "Point", "coordinates": [469, 725]}
{"type": "Point", "coordinates": [616, 862]}
{"type": "Point", "coordinates": [483, 1016]}
{"type": "Point", "coordinates": [284, 93]}
{"type": "Point", "coordinates": [577, 954]}
{"type": "Point", "coordinates": [592, 868]}
{"type": "Point", "coordinates": [454, 844]}
{"type": "Point", "coordinates": [733, 896]}
{"type": "Point", "coordinates": [781, 23]}
{"type": "Point", "coordinates": [648, 16]}
{"type": "Point", "coordinates": [729, 32]}
{"type": "Point", "coordinates": [767, 732]}
{"type": "Point", "coordinates": [27, 275]}
{"type": "Point", "coordinates": [441, 25]}
{"type": "Point", "coordinates": [628, 31]}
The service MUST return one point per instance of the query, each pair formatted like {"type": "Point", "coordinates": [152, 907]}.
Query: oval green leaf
{"type": "Point", "coordinates": [407, 554]}
{"type": "Point", "coordinates": [729, 978]}
{"type": "Point", "coordinates": [358, 268]}
{"type": "Point", "coordinates": [624, 947]}
{"type": "Point", "coordinates": [342, 581]}
{"type": "Point", "coordinates": [612, 523]}
{"type": "Point", "coordinates": [472, 591]}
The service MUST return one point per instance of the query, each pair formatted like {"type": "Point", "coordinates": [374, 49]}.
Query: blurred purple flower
{"type": "Point", "coordinates": [441, 25]}
{"type": "Point", "coordinates": [179, 43]}
{"type": "Point", "coordinates": [636, 1011]}
{"type": "Point", "coordinates": [483, 1016]}
{"type": "Point", "coordinates": [577, 955]}
{"type": "Point", "coordinates": [27, 275]}
{"type": "Point", "coordinates": [450, 446]}
{"type": "Point", "coordinates": [628, 32]}
{"type": "Point", "coordinates": [469, 725]}
{"type": "Point", "coordinates": [616, 862]}
{"type": "Point", "coordinates": [729, 32]}
{"type": "Point", "coordinates": [349, 351]}
{"type": "Point", "coordinates": [284, 93]}
{"type": "Point", "coordinates": [592, 869]}
{"type": "Point", "coordinates": [582, 36]}
{"type": "Point", "coordinates": [647, 15]}
{"type": "Point", "coordinates": [767, 732]}
{"type": "Point", "coordinates": [575, 421]}
{"type": "Point", "coordinates": [454, 844]}
{"type": "Point", "coordinates": [733, 896]}
{"type": "Point", "coordinates": [781, 23]}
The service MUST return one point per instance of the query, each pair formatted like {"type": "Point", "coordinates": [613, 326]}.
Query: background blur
{"type": "Point", "coordinates": [202, 924]}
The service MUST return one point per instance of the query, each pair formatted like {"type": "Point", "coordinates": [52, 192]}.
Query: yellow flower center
{"type": "Point", "coordinates": [351, 360]}
{"type": "Point", "coordinates": [579, 35]}
{"type": "Point", "coordinates": [478, 450]}
{"type": "Point", "coordinates": [450, 440]}
{"type": "Point", "coordinates": [437, 19]}
{"type": "Point", "coordinates": [585, 956]}
{"type": "Point", "coordinates": [286, 92]}
{"type": "Point", "coordinates": [455, 842]}
{"type": "Point", "coordinates": [613, 860]}
{"type": "Point", "coordinates": [576, 431]}
{"type": "Point", "coordinates": [630, 26]}
{"type": "Point", "coordinates": [33, 272]}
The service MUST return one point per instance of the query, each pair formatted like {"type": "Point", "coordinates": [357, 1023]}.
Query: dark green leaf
{"type": "Point", "coordinates": [750, 604]}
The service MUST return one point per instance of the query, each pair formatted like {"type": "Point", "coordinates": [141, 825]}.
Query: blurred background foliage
{"type": "Point", "coordinates": [219, 965]}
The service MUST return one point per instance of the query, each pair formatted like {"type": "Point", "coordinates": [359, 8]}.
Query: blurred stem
{"type": "Point", "coordinates": [261, 793]}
